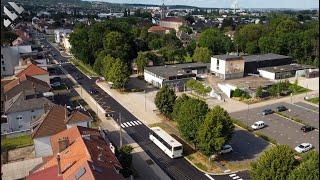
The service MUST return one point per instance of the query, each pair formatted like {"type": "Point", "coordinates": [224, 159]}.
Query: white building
{"type": "Point", "coordinates": [57, 119]}
{"type": "Point", "coordinates": [10, 58]}
{"type": "Point", "coordinates": [227, 66]}
{"type": "Point", "coordinates": [60, 33]}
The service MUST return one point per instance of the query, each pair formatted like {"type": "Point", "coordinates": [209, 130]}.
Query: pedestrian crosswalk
{"type": "Point", "coordinates": [130, 123]}
{"type": "Point", "coordinates": [234, 176]}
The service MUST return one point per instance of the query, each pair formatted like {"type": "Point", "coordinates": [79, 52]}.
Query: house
{"type": "Point", "coordinates": [59, 33]}
{"type": "Point", "coordinates": [253, 62]}
{"type": "Point", "coordinates": [36, 72]}
{"type": "Point", "coordinates": [79, 153]}
{"type": "Point", "coordinates": [172, 22]}
{"type": "Point", "coordinates": [20, 110]}
{"type": "Point", "coordinates": [286, 71]}
{"type": "Point", "coordinates": [159, 29]}
{"type": "Point", "coordinates": [52, 122]}
{"type": "Point", "coordinates": [174, 75]}
{"type": "Point", "coordinates": [10, 58]}
{"type": "Point", "coordinates": [227, 66]}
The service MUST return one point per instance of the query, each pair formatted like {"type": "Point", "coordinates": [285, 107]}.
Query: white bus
{"type": "Point", "coordinates": [165, 142]}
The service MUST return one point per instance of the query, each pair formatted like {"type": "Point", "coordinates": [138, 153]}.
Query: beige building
{"type": "Point", "coordinates": [172, 22]}
{"type": "Point", "coordinates": [227, 66]}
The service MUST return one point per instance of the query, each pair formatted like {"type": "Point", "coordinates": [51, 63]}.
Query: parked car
{"type": "Point", "coordinates": [258, 125]}
{"type": "Point", "coordinates": [304, 147]}
{"type": "Point", "coordinates": [226, 149]}
{"type": "Point", "coordinates": [307, 128]}
{"type": "Point", "coordinates": [93, 91]}
{"type": "Point", "coordinates": [78, 77]}
{"type": "Point", "coordinates": [55, 84]}
{"type": "Point", "coordinates": [281, 108]}
{"type": "Point", "coordinates": [267, 111]}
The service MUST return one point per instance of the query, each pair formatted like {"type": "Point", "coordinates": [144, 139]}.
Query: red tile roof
{"type": "Point", "coordinates": [87, 156]}
{"type": "Point", "coordinates": [77, 116]}
{"type": "Point", "coordinates": [158, 28]}
{"type": "Point", "coordinates": [47, 174]}
{"type": "Point", "coordinates": [32, 70]}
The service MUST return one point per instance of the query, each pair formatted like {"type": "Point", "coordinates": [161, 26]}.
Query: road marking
{"type": "Point", "coordinates": [129, 124]}
{"type": "Point", "coordinates": [209, 176]}
{"type": "Point", "coordinates": [237, 177]}
{"type": "Point", "coordinates": [122, 125]}
{"type": "Point", "coordinates": [132, 123]}
{"type": "Point", "coordinates": [126, 124]}
{"type": "Point", "coordinates": [228, 170]}
{"type": "Point", "coordinates": [231, 175]}
{"type": "Point", "coordinates": [139, 122]}
{"type": "Point", "coordinates": [240, 179]}
{"type": "Point", "coordinates": [135, 122]}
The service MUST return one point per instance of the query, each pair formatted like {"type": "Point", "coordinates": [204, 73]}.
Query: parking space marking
{"type": "Point", "coordinates": [231, 175]}
{"type": "Point", "coordinates": [211, 178]}
{"type": "Point", "coordinates": [237, 177]}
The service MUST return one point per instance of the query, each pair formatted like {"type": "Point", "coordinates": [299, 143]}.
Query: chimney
{"type": "Point", "coordinates": [59, 165]}
{"type": "Point", "coordinates": [63, 143]}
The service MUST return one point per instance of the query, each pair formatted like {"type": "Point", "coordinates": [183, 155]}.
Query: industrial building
{"type": "Point", "coordinates": [174, 75]}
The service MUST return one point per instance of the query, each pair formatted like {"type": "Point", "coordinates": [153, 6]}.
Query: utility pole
{"type": "Point", "coordinates": [120, 130]}
{"type": "Point", "coordinates": [145, 100]}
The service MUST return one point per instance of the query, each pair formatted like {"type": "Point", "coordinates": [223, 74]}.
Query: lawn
{"type": "Point", "coordinates": [85, 68]}
{"type": "Point", "coordinates": [314, 100]}
{"type": "Point", "coordinates": [17, 142]}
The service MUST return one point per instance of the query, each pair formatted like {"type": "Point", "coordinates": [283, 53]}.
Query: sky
{"type": "Point", "coordinates": [297, 4]}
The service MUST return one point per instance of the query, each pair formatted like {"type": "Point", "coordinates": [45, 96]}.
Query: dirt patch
{"type": "Point", "coordinates": [21, 154]}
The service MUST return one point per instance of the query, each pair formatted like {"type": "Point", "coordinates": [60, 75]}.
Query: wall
{"type": "Point", "coordinates": [10, 58]}
{"type": "Point", "coordinates": [83, 124]}
{"type": "Point", "coordinates": [267, 74]}
{"type": "Point", "coordinates": [213, 66]}
{"type": "Point", "coordinates": [226, 88]}
{"type": "Point", "coordinates": [169, 24]}
{"type": "Point", "coordinates": [43, 77]}
{"type": "Point", "coordinates": [234, 67]}
{"type": "Point", "coordinates": [27, 117]}
{"type": "Point", "coordinates": [42, 146]}
{"type": "Point", "coordinates": [151, 78]}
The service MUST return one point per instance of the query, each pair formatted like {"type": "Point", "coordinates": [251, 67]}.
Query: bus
{"type": "Point", "coordinates": [165, 142]}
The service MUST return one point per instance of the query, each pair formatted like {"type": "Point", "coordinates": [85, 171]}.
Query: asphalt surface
{"type": "Point", "coordinates": [175, 168]}
{"type": "Point", "coordinates": [307, 106]}
{"type": "Point", "coordinates": [284, 131]}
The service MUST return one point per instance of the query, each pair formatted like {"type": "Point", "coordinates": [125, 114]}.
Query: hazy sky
{"type": "Point", "coordinates": [300, 4]}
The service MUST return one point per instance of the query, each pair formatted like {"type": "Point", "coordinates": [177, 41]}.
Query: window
{"type": "Point", "coordinates": [19, 117]}
{"type": "Point", "coordinates": [177, 148]}
{"type": "Point", "coordinates": [2, 62]}
{"type": "Point", "coordinates": [1, 56]}
{"type": "Point", "coordinates": [218, 64]}
{"type": "Point", "coordinates": [3, 68]}
{"type": "Point", "coordinates": [32, 110]}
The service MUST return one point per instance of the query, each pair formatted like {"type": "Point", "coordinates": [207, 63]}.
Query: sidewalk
{"type": "Point", "coordinates": [139, 104]}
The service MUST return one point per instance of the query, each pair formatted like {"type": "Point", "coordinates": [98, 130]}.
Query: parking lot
{"type": "Point", "coordinates": [282, 130]}
{"type": "Point", "coordinates": [307, 106]}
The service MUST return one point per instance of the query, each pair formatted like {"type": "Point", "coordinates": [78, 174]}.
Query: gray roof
{"type": "Point", "coordinates": [288, 67]}
{"type": "Point", "coordinates": [19, 103]}
{"type": "Point", "coordinates": [167, 71]}
{"type": "Point", "coordinates": [264, 57]}
{"type": "Point", "coordinates": [227, 57]}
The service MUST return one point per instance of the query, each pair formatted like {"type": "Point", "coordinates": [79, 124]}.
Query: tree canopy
{"type": "Point", "coordinates": [165, 99]}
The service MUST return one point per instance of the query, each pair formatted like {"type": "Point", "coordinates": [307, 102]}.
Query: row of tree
{"type": "Point", "coordinates": [207, 129]}
{"type": "Point", "coordinates": [281, 162]}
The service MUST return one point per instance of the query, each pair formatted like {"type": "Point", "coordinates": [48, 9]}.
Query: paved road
{"type": "Point", "coordinates": [282, 130]}
{"type": "Point", "coordinates": [175, 168]}
{"type": "Point", "coordinates": [308, 106]}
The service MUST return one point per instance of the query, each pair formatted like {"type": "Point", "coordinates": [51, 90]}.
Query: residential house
{"type": "Point", "coordinates": [58, 34]}
{"type": "Point", "coordinates": [36, 72]}
{"type": "Point", "coordinates": [172, 22]}
{"type": "Point", "coordinates": [20, 110]}
{"type": "Point", "coordinates": [10, 58]}
{"type": "Point", "coordinates": [79, 153]}
{"type": "Point", "coordinates": [52, 122]}
{"type": "Point", "coordinates": [159, 29]}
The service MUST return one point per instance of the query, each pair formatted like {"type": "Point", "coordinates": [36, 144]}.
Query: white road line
{"type": "Point", "coordinates": [228, 170]}
{"type": "Point", "coordinates": [237, 177]}
{"type": "Point", "coordinates": [126, 124]}
{"type": "Point", "coordinates": [135, 122]}
{"type": "Point", "coordinates": [240, 179]}
{"type": "Point", "coordinates": [122, 126]}
{"type": "Point", "coordinates": [231, 175]}
{"type": "Point", "coordinates": [209, 176]}
{"type": "Point", "coordinates": [139, 122]}
{"type": "Point", "coordinates": [132, 123]}
{"type": "Point", "coordinates": [129, 124]}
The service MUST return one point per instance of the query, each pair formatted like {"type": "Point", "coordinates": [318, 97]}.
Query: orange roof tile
{"type": "Point", "coordinates": [77, 116]}
{"type": "Point", "coordinates": [32, 70]}
{"type": "Point", "coordinates": [88, 155]}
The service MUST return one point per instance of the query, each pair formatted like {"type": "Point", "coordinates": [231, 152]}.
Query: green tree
{"type": "Point", "coordinates": [125, 158]}
{"type": "Point", "coordinates": [201, 54]}
{"type": "Point", "coordinates": [117, 45]}
{"type": "Point", "coordinates": [191, 46]}
{"type": "Point", "coordinates": [214, 40]}
{"type": "Point", "coordinates": [266, 44]}
{"type": "Point", "coordinates": [190, 115]}
{"type": "Point", "coordinates": [178, 104]}
{"type": "Point", "coordinates": [7, 36]}
{"type": "Point", "coordinates": [275, 163]}
{"type": "Point", "coordinates": [165, 99]}
{"type": "Point", "coordinates": [216, 131]}
{"type": "Point", "coordinates": [142, 61]}
{"type": "Point", "coordinates": [308, 168]}
{"type": "Point", "coordinates": [119, 74]}
{"type": "Point", "coordinates": [252, 48]}
{"type": "Point", "coordinates": [248, 33]}
{"type": "Point", "coordinates": [259, 92]}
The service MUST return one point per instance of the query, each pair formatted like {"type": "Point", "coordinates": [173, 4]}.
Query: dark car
{"type": "Point", "coordinates": [267, 111]}
{"type": "Point", "coordinates": [307, 128]}
{"type": "Point", "coordinates": [281, 108]}
{"type": "Point", "coordinates": [79, 77]}
{"type": "Point", "coordinates": [93, 91]}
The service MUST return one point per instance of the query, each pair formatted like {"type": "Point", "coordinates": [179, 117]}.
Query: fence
{"type": "Point", "coordinates": [16, 134]}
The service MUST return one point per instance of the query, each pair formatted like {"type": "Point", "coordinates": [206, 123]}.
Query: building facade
{"type": "Point", "coordinates": [227, 66]}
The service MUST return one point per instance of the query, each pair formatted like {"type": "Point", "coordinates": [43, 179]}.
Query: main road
{"type": "Point", "coordinates": [175, 168]}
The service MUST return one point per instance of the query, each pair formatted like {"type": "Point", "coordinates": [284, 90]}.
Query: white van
{"type": "Point", "coordinates": [258, 125]}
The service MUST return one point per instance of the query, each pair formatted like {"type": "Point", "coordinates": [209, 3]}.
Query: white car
{"type": "Point", "coordinates": [258, 125]}
{"type": "Point", "coordinates": [304, 147]}
{"type": "Point", "coordinates": [226, 149]}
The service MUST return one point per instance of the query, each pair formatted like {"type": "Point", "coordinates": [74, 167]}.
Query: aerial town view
{"type": "Point", "coordinates": [159, 89]}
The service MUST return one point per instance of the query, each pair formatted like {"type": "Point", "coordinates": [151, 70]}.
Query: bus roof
{"type": "Point", "coordinates": [166, 137]}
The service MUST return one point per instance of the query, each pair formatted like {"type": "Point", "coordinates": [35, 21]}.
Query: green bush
{"type": "Point", "coordinates": [240, 93]}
